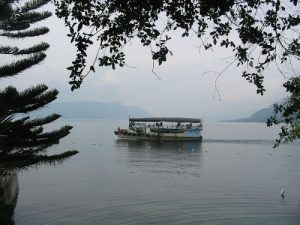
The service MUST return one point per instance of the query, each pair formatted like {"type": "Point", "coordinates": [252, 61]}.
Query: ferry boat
{"type": "Point", "coordinates": [162, 129]}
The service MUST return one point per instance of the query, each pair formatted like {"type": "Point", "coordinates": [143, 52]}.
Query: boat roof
{"type": "Point", "coordinates": [165, 119]}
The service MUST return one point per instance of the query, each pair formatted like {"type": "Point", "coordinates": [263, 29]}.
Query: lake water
{"type": "Point", "coordinates": [233, 177]}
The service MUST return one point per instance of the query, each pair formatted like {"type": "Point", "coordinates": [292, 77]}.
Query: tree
{"type": "Point", "coordinates": [267, 33]}
{"type": "Point", "coordinates": [288, 113]}
{"type": "Point", "coordinates": [23, 141]}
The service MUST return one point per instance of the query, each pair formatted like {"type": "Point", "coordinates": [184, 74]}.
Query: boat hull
{"type": "Point", "coordinates": [149, 137]}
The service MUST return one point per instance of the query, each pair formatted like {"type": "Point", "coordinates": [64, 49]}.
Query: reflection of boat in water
{"type": "Point", "coordinates": [158, 146]}
{"type": "Point", "coordinates": [162, 129]}
{"type": "Point", "coordinates": [160, 157]}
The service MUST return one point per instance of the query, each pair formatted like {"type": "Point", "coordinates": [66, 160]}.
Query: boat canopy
{"type": "Point", "coordinates": [166, 119]}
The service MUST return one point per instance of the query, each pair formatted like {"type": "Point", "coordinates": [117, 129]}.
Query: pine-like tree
{"type": "Point", "coordinates": [23, 141]}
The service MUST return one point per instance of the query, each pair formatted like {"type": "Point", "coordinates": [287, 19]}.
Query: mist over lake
{"type": "Point", "coordinates": [233, 177]}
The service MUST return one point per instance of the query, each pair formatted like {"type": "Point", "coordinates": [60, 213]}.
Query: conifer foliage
{"type": "Point", "coordinates": [23, 141]}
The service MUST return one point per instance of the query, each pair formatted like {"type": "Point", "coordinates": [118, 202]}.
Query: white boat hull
{"type": "Point", "coordinates": [186, 136]}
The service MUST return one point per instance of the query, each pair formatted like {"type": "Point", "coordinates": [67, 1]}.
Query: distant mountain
{"type": "Point", "coordinates": [260, 116]}
{"type": "Point", "coordinates": [93, 110]}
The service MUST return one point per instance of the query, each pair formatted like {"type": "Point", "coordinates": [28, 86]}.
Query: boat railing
{"type": "Point", "coordinates": [166, 130]}
{"type": "Point", "coordinates": [185, 126]}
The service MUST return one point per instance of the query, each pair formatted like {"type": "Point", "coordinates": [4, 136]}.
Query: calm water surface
{"type": "Point", "coordinates": [233, 177]}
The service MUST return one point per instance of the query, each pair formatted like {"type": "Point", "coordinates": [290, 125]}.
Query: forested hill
{"type": "Point", "coordinates": [93, 110]}
{"type": "Point", "coordinates": [259, 116]}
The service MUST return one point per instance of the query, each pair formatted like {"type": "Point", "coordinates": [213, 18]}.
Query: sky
{"type": "Point", "coordinates": [186, 86]}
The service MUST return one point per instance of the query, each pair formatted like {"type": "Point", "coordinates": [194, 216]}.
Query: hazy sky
{"type": "Point", "coordinates": [185, 88]}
